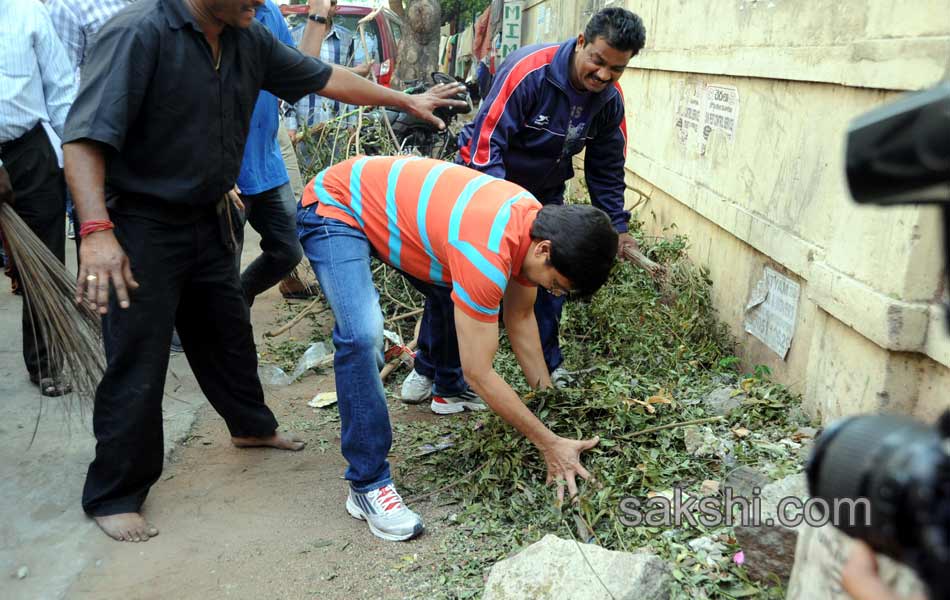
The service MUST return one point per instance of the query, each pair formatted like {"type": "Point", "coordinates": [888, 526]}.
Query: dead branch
{"type": "Point", "coordinates": [407, 315]}
{"type": "Point", "coordinates": [640, 259]}
{"type": "Point", "coordinates": [420, 497]}
{"type": "Point", "coordinates": [309, 309]}
{"type": "Point", "coordinates": [633, 434]}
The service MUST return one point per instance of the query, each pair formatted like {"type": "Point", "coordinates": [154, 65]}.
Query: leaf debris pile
{"type": "Point", "coordinates": [646, 355]}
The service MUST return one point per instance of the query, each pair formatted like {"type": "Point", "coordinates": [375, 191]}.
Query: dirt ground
{"type": "Point", "coordinates": [262, 523]}
{"type": "Point", "coordinates": [256, 523]}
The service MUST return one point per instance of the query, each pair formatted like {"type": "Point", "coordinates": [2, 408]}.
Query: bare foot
{"type": "Point", "coordinates": [127, 527]}
{"type": "Point", "coordinates": [281, 441]}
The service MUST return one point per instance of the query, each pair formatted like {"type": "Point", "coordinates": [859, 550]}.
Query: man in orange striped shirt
{"type": "Point", "coordinates": [445, 227]}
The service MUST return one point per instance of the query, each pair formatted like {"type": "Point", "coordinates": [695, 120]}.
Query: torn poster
{"type": "Point", "coordinates": [772, 311]}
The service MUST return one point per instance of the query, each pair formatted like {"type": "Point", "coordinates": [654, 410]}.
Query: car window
{"type": "Point", "coordinates": [397, 30]}
{"type": "Point", "coordinates": [350, 23]}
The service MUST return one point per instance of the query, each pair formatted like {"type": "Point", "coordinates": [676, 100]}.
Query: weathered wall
{"type": "Point", "coordinates": [769, 189]}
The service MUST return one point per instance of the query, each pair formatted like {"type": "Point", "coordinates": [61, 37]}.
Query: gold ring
{"type": "Point", "coordinates": [91, 278]}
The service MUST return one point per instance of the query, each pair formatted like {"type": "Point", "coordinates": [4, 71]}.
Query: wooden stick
{"type": "Point", "coordinates": [669, 426]}
{"type": "Point", "coordinates": [372, 15]}
{"type": "Point", "coordinates": [412, 313]}
{"type": "Point", "coordinates": [640, 259]}
{"type": "Point", "coordinates": [286, 326]}
{"type": "Point", "coordinates": [420, 497]}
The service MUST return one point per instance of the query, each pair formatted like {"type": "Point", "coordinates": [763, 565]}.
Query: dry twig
{"type": "Point", "coordinates": [638, 258]}
{"type": "Point", "coordinates": [669, 426]}
{"type": "Point", "coordinates": [309, 309]}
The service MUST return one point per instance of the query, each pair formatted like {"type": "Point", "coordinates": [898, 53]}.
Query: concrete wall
{"type": "Point", "coordinates": [770, 191]}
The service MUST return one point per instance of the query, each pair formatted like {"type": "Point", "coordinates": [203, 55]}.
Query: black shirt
{"type": "Point", "coordinates": [177, 126]}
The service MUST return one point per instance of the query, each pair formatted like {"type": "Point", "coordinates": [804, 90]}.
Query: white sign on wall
{"type": "Point", "coordinates": [511, 27]}
{"type": "Point", "coordinates": [702, 110]}
{"type": "Point", "coordinates": [772, 311]}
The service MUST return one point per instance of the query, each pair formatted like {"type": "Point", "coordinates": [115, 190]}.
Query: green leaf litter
{"type": "Point", "coordinates": [645, 354]}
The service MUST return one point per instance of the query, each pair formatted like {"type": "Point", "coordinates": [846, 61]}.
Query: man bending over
{"type": "Point", "coordinates": [443, 226]}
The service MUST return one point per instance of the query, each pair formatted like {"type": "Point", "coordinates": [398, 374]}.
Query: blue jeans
{"type": "Point", "coordinates": [438, 358]}
{"type": "Point", "coordinates": [340, 256]}
{"type": "Point", "coordinates": [438, 355]}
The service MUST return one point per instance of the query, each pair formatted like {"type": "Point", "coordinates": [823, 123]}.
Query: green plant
{"type": "Point", "coordinates": [645, 355]}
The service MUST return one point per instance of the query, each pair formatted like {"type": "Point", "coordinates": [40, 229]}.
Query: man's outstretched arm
{"type": "Point", "coordinates": [348, 87]}
{"type": "Point", "coordinates": [562, 455]}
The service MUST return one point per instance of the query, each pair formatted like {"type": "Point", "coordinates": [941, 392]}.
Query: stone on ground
{"type": "Point", "coordinates": [723, 401]}
{"type": "Point", "coordinates": [745, 481]}
{"type": "Point", "coordinates": [553, 569]}
{"type": "Point", "coordinates": [770, 547]}
{"type": "Point", "coordinates": [702, 441]}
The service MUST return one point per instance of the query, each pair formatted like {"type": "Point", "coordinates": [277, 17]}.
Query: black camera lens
{"type": "Point", "coordinates": [885, 481]}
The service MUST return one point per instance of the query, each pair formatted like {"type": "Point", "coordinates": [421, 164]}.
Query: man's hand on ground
{"type": "Point", "coordinates": [6, 188]}
{"type": "Point", "coordinates": [625, 240]}
{"type": "Point", "coordinates": [101, 262]}
{"type": "Point", "coordinates": [422, 105]}
{"type": "Point", "coordinates": [563, 457]}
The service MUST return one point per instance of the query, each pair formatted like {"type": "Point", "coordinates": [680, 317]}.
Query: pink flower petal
{"type": "Point", "coordinates": [739, 558]}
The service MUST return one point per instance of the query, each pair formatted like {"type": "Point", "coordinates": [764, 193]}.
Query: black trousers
{"type": "Point", "coordinates": [188, 280]}
{"type": "Point", "coordinates": [273, 214]}
{"type": "Point", "coordinates": [40, 199]}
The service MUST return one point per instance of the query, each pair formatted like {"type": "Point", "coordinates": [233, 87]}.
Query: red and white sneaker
{"type": "Point", "coordinates": [449, 405]}
{"type": "Point", "coordinates": [384, 511]}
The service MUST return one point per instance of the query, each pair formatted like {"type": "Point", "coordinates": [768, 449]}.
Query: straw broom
{"type": "Point", "coordinates": [71, 332]}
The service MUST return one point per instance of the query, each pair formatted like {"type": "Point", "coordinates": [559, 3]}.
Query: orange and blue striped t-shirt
{"type": "Point", "coordinates": [437, 221]}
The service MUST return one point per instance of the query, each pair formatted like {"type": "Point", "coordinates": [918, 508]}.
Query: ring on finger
{"type": "Point", "coordinates": [91, 278]}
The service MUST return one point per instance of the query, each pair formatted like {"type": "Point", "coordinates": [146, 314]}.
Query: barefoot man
{"type": "Point", "coordinates": [153, 144]}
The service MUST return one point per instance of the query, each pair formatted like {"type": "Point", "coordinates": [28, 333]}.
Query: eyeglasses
{"type": "Point", "coordinates": [556, 290]}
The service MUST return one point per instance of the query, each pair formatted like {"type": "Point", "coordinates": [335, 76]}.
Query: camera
{"type": "Point", "coordinates": [902, 468]}
{"type": "Point", "coordinates": [896, 154]}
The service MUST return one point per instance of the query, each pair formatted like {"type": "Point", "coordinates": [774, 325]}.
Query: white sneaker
{"type": "Point", "coordinates": [449, 405]}
{"type": "Point", "coordinates": [387, 516]}
{"type": "Point", "coordinates": [561, 378]}
{"type": "Point", "coordinates": [416, 388]}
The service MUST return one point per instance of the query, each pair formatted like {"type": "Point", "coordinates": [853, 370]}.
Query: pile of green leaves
{"type": "Point", "coordinates": [645, 353]}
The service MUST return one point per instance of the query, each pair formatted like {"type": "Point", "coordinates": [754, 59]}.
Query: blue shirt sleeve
{"type": "Point", "coordinates": [281, 30]}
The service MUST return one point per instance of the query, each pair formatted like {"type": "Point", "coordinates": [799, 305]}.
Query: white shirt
{"type": "Point", "coordinates": [37, 83]}
{"type": "Point", "coordinates": [78, 23]}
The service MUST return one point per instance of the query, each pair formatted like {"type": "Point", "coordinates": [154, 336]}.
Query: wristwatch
{"type": "Point", "coordinates": [318, 19]}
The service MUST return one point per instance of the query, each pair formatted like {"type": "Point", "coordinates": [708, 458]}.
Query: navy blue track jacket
{"type": "Point", "coordinates": [522, 131]}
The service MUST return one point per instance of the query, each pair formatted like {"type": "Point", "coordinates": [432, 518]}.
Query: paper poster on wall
{"type": "Point", "coordinates": [704, 109]}
{"type": "Point", "coordinates": [772, 311]}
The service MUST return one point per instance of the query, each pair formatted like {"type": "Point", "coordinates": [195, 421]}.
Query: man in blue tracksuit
{"type": "Point", "coordinates": [547, 103]}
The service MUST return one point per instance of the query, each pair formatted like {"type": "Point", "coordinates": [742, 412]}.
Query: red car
{"type": "Point", "coordinates": [386, 28]}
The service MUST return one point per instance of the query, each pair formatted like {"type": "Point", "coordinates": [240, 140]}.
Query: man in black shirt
{"type": "Point", "coordinates": [153, 144]}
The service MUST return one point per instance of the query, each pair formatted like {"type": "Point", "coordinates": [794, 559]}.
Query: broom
{"type": "Point", "coordinates": [70, 331]}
